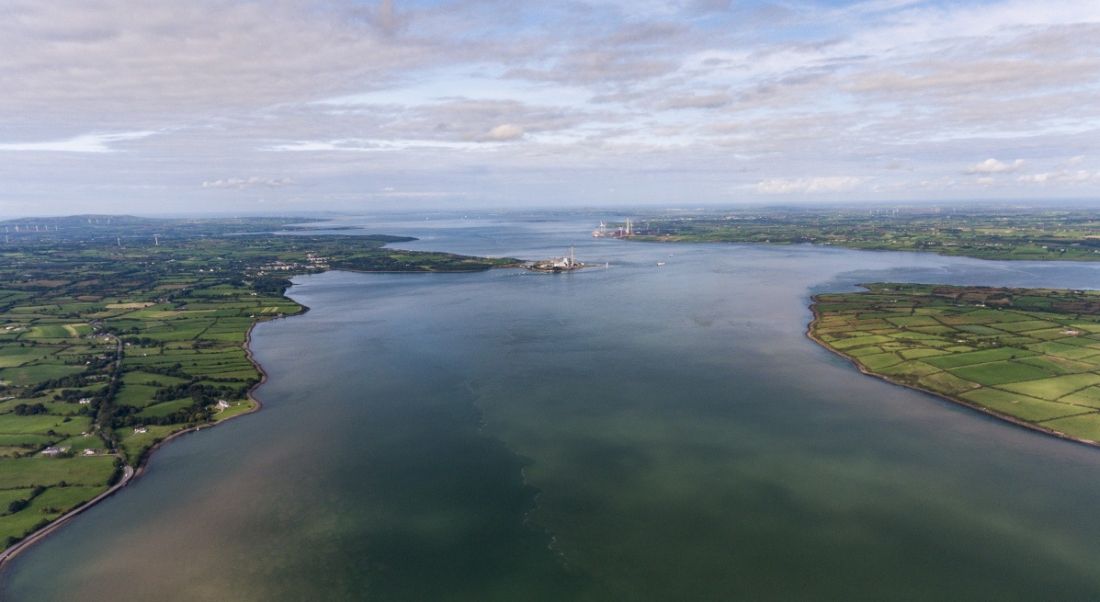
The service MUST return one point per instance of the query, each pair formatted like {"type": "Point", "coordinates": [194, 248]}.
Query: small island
{"type": "Point", "coordinates": [1029, 356]}
{"type": "Point", "coordinates": [565, 263]}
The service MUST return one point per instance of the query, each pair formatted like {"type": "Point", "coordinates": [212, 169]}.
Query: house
{"type": "Point", "coordinates": [222, 405]}
{"type": "Point", "coordinates": [84, 401]}
{"type": "Point", "coordinates": [140, 430]}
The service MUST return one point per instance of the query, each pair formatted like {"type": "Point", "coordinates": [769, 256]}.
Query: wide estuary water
{"type": "Point", "coordinates": [632, 432]}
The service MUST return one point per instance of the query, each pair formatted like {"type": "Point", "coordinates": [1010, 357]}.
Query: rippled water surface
{"type": "Point", "coordinates": [630, 432]}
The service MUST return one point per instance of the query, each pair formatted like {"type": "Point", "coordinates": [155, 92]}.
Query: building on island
{"type": "Point", "coordinates": [567, 263]}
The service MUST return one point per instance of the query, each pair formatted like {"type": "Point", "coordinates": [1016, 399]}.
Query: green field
{"type": "Point", "coordinates": [43, 508]}
{"type": "Point", "coordinates": [1028, 354]}
{"type": "Point", "coordinates": [40, 470]}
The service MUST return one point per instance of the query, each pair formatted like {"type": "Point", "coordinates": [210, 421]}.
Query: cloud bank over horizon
{"type": "Point", "coordinates": [295, 105]}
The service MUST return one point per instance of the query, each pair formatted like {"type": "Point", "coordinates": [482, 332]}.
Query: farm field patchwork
{"type": "Point", "coordinates": [1031, 355]}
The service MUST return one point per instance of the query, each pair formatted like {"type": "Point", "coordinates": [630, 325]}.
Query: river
{"type": "Point", "coordinates": [629, 432]}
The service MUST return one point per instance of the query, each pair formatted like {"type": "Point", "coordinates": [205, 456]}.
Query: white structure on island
{"type": "Point", "coordinates": [568, 262]}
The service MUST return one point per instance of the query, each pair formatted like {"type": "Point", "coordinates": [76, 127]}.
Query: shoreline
{"type": "Point", "coordinates": [654, 239]}
{"type": "Point", "coordinates": [22, 545]}
{"type": "Point", "coordinates": [131, 473]}
{"type": "Point", "coordinates": [958, 401]}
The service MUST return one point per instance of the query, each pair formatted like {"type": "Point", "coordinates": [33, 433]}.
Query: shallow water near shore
{"type": "Point", "coordinates": [632, 432]}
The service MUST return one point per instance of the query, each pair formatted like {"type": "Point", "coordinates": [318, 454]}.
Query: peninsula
{"type": "Point", "coordinates": [1030, 356]}
{"type": "Point", "coordinates": [117, 333]}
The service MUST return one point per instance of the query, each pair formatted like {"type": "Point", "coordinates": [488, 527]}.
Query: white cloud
{"type": "Point", "coordinates": [85, 143]}
{"type": "Point", "coordinates": [543, 101]}
{"type": "Point", "coordinates": [359, 145]}
{"type": "Point", "coordinates": [1064, 176]}
{"type": "Point", "coordinates": [250, 182]}
{"type": "Point", "coordinates": [505, 132]}
{"type": "Point", "coordinates": [112, 58]}
{"type": "Point", "coordinates": [808, 185]}
{"type": "Point", "coordinates": [990, 166]}
{"type": "Point", "coordinates": [694, 101]}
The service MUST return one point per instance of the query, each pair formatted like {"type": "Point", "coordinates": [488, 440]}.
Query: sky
{"type": "Point", "coordinates": [124, 106]}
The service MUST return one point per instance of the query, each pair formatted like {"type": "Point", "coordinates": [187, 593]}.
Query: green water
{"type": "Point", "coordinates": [631, 433]}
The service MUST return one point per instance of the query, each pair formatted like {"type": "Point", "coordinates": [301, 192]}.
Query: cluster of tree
{"type": "Point", "coordinates": [206, 394]}
{"type": "Point", "coordinates": [73, 380]}
{"type": "Point", "coordinates": [143, 341]}
{"type": "Point", "coordinates": [99, 362]}
{"type": "Point", "coordinates": [126, 416]}
{"type": "Point", "coordinates": [226, 392]}
{"type": "Point", "coordinates": [74, 395]}
{"type": "Point", "coordinates": [116, 476]}
{"type": "Point", "coordinates": [271, 285]}
{"type": "Point", "coordinates": [175, 370]}
{"type": "Point", "coordinates": [68, 453]}
{"type": "Point", "coordinates": [122, 332]}
{"type": "Point", "coordinates": [119, 414]}
{"type": "Point", "coordinates": [202, 396]}
{"type": "Point", "coordinates": [17, 505]}
{"type": "Point", "coordinates": [30, 410]}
